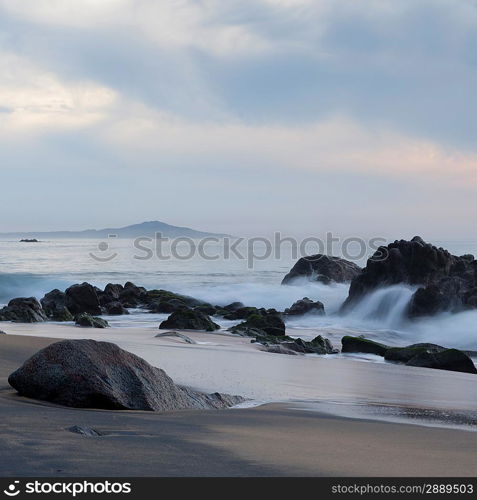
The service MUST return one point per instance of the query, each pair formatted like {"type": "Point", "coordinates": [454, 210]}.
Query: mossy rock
{"type": "Point", "coordinates": [88, 321]}
{"type": "Point", "coordinates": [360, 344]}
{"type": "Point", "coordinates": [404, 354]}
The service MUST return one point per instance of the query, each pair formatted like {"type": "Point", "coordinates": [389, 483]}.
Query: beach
{"type": "Point", "coordinates": [291, 428]}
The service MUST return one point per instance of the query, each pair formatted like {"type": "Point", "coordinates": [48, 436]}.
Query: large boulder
{"type": "Point", "coordinates": [88, 321]}
{"type": "Point", "coordinates": [23, 310]}
{"type": "Point", "coordinates": [54, 305]}
{"type": "Point", "coordinates": [323, 268]}
{"type": "Point", "coordinates": [82, 299]}
{"type": "Point", "coordinates": [447, 359]}
{"type": "Point", "coordinates": [90, 374]}
{"type": "Point", "coordinates": [267, 323]}
{"type": "Point", "coordinates": [189, 319]}
{"type": "Point", "coordinates": [305, 306]}
{"type": "Point", "coordinates": [446, 282]}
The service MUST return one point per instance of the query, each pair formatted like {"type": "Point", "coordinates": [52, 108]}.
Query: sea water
{"type": "Point", "coordinates": [32, 269]}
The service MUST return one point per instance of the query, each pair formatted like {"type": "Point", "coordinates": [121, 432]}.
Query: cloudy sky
{"type": "Point", "coordinates": [241, 116]}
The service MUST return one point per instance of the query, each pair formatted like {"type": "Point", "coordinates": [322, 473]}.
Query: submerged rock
{"type": "Point", "coordinates": [189, 319]}
{"type": "Point", "coordinates": [90, 374]}
{"type": "Point", "coordinates": [305, 306]}
{"type": "Point", "coordinates": [23, 310]}
{"type": "Point", "coordinates": [324, 268]}
{"type": "Point", "coordinates": [88, 321]}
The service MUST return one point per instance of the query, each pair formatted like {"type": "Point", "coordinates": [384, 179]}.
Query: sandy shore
{"type": "Point", "coordinates": [269, 440]}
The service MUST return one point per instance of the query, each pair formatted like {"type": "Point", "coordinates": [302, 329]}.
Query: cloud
{"type": "Point", "coordinates": [34, 100]}
{"type": "Point", "coordinates": [346, 110]}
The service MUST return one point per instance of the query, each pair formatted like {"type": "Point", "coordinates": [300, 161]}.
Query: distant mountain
{"type": "Point", "coordinates": [146, 229]}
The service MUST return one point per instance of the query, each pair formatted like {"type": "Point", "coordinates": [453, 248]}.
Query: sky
{"type": "Point", "coordinates": [240, 116]}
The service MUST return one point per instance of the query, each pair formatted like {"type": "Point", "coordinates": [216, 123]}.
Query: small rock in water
{"type": "Point", "coordinates": [84, 431]}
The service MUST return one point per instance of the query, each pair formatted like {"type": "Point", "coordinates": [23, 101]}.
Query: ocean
{"type": "Point", "coordinates": [32, 269]}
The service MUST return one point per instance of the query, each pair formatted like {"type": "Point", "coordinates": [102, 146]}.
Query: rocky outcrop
{"type": "Point", "coordinates": [82, 299]}
{"type": "Point", "coordinates": [89, 374]}
{"type": "Point", "coordinates": [23, 310]}
{"type": "Point", "coordinates": [88, 321]}
{"type": "Point", "coordinates": [305, 306]}
{"type": "Point", "coordinates": [446, 282]}
{"type": "Point", "coordinates": [189, 319]}
{"type": "Point", "coordinates": [323, 268]}
{"type": "Point", "coordinates": [422, 355]}
{"type": "Point", "coordinates": [54, 305]}
{"type": "Point", "coordinates": [265, 323]}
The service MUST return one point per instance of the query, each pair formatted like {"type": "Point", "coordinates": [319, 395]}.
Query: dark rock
{"type": "Point", "coordinates": [23, 310]}
{"type": "Point", "coordinates": [269, 323]}
{"type": "Point", "coordinates": [2, 332]}
{"type": "Point", "coordinates": [167, 306]}
{"type": "Point", "coordinates": [84, 431]}
{"type": "Point", "coordinates": [287, 345]}
{"type": "Point", "coordinates": [29, 240]}
{"type": "Point", "coordinates": [115, 309]}
{"type": "Point", "coordinates": [165, 301]}
{"type": "Point", "coordinates": [446, 281]}
{"type": "Point", "coordinates": [233, 306]}
{"type": "Point", "coordinates": [305, 306]}
{"type": "Point", "coordinates": [241, 313]}
{"type": "Point", "coordinates": [404, 354]}
{"type": "Point", "coordinates": [319, 345]}
{"type": "Point", "coordinates": [189, 319]}
{"type": "Point", "coordinates": [54, 305]}
{"type": "Point", "coordinates": [89, 374]}
{"type": "Point", "coordinates": [82, 299]}
{"type": "Point", "coordinates": [86, 320]}
{"type": "Point", "coordinates": [360, 344]}
{"type": "Point", "coordinates": [448, 359]}
{"type": "Point", "coordinates": [323, 268]}
{"type": "Point", "coordinates": [113, 290]}
{"type": "Point", "coordinates": [132, 295]}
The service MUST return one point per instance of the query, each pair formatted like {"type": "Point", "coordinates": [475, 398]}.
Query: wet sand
{"type": "Point", "coordinates": [269, 440]}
